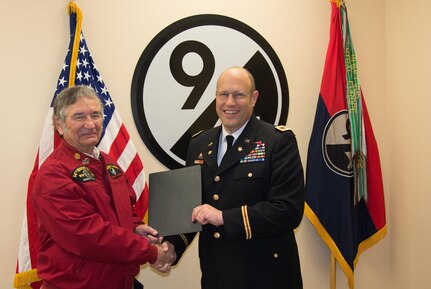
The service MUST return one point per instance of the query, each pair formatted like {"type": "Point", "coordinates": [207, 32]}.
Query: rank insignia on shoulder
{"type": "Point", "coordinates": [83, 175]}
{"type": "Point", "coordinates": [282, 128]}
{"type": "Point", "coordinates": [198, 133]}
{"type": "Point", "coordinates": [114, 171]}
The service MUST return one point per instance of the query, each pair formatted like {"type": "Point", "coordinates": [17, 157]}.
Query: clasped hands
{"type": "Point", "coordinates": [165, 250]}
{"type": "Point", "coordinates": [203, 214]}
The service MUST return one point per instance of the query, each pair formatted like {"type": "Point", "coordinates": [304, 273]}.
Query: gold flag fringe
{"type": "Point", "coordinates": [24, 279]}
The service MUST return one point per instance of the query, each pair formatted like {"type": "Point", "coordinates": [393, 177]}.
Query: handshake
{"type": "Point", "coordinates": [165, 250]}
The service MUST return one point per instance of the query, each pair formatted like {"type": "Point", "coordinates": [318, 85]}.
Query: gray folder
{"type": "Point", "coordinates": [172, 196]}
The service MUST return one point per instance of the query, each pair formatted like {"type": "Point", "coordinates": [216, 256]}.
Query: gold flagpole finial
{"type": "Point", "coordinates": [72, 7]}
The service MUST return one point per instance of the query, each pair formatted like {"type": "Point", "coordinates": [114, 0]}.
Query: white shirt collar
{"type": "Point", "coordinates": [96, 153]}
{"type": "Point", "coordinates": [235, 135]}
{"type": "Point", "coordinates": [222, 141]}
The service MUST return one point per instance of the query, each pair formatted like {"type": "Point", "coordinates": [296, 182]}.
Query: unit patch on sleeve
{"type": "Point", "coordinates": [83, 175]}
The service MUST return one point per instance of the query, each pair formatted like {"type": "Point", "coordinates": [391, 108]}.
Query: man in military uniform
{"type": "Point", "coordinates": [253, 195]}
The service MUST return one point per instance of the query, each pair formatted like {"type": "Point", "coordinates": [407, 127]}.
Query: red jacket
{"type": "Point", "coordinates": [86, 220]}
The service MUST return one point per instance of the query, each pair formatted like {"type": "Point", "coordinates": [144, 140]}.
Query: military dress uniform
{"type": "Point", "coordinates": [259, 186]}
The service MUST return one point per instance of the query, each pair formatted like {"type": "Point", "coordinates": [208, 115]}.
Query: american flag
{"type": "Point", "coordinates": [79, 69]}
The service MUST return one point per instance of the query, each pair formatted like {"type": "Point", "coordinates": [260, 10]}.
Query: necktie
{"type": "Point", "coordinates": [229, 140]}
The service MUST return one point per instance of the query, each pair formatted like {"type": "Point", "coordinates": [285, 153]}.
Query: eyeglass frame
{"type": "Point", "coordinates": [235, 94]}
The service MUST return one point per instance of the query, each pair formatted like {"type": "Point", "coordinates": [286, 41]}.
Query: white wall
{"type": "Point", "coordinates": [392, 55]}
{"type": "Point", "coordinates": [408, 71]}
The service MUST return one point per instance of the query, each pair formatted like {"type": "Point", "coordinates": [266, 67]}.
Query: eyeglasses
{"type": "Point", "coordinates": [235, 94]}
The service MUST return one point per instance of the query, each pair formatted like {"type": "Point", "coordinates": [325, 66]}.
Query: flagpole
{"type": "Point", "coordinates": [332, 276]}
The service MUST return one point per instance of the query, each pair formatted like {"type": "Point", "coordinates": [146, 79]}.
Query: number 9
{"type": "Point", "coordinates": [200, 81]}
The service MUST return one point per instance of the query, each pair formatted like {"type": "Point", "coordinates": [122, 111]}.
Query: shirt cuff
{"type": "Point", "coordinates": [152, 254]}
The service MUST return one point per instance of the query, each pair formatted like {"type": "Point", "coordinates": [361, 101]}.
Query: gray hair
{"type": "Point", "coordinates": [69, 96]}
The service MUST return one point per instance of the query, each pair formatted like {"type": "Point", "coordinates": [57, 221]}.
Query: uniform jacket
{"type": "Point", "coordinates": [259, 186]}
{"type": "Point", "coordinates": [86, 221]}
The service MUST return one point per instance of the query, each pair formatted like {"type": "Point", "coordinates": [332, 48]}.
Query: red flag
{"type": "Point", "coordinates": [348, 224]}
{"type": "Point", "coordinates": [80, 69]}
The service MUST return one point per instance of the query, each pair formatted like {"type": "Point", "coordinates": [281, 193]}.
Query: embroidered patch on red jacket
{"type": "Point", "coordinates": [83, 175]}
{"type": "Point", "coordinates": [114, 171]}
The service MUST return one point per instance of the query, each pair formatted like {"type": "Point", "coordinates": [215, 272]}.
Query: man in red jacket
{"type": "Point", "coordinates": [90, 235]}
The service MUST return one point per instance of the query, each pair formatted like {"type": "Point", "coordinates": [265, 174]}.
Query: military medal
{"type": "Point", "coordinates": [256, 155]}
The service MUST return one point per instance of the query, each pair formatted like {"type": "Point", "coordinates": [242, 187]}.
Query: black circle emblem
{"type": "Point", "coordinates": [173, 87]}
{"type": "Point", "coordinates": [336, 144]}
